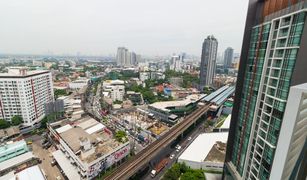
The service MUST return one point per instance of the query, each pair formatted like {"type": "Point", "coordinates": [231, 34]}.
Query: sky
{"type": "Point", "coordinates": [98, 27]}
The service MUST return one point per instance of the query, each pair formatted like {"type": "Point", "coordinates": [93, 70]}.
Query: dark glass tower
{"type": "Point", "coordinates": [273, 59]}
{"type": "Point", "coordinates": [228, 56]}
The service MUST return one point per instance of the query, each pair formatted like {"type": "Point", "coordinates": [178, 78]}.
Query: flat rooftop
{"type": "Point", "coordinates": [200, 149]}
{"type": "Point", "coordinates": [226, 123]}
{"type": "Point", "coordinates": [180, 103]}
{"type": "Point", "coordinates": [11, 131]}
{"type": "Point", "coordinates": [13, 74]}
{"type": "Point", "coordinates": [33, 172]}
{"type": "Point", "coordinates": [86, 129]}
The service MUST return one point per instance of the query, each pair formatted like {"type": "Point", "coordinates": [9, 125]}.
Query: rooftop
{"type": "Point", "coordinates": [86, 130]}
{"type": "Point", "coordinates": [16, 73]}
{"type": "Point", "coordinates": [164, 105]}
{"type": "Point", "coordinates": [113, 82]}
{"type": "Point", "coordinates": [16, 161]}
{"type": "Point", "coordinates": [217, 152]}
{"type": "Point", "coordinates": [200, 149]}
{"type": "Point", "coordinates": [11, 131]}
{"type": "Point", "coordinates": [30, 173]}
{"type": "Point", "coordinates": [226, 123]}
{"type": "Point", "coordinates": [8, 147]}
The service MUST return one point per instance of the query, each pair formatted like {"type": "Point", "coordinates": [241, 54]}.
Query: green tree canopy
{"type": "Point", "coordinates": [193, 175]}
{"type": "Point", "coordinates": [121, 136]}
{"type": "Point", "coordinates": [183, 172]}
{"type": "Point", "coordinates": [60, 92]}
{"type": "Point", "coordinates": [16, 120]}
{"type": "Point", "coordinates": [4, 124]}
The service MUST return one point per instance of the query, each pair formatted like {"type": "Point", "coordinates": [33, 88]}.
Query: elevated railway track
{"type": "Point", "coordinates": [137, 162]}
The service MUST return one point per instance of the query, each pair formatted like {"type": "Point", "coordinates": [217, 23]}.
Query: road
{"type": "Point", "coordinates": [52, 172]}
{"type": "Point", "coordinates": [130, 167]}
{"type": "Point", "coordinates": [184, 143]}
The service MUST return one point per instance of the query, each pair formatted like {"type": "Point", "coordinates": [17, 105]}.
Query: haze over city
{"type": "Point", "coordinates": [152, 27]}
{"type": "Point", "coordinates": [153, 90]}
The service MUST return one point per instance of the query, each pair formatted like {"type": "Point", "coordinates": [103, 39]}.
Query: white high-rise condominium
{"type": "Point", "coordinates": [24, 93]}
{"type": "Point", "coordinates": [122, 56]}
{"type": "Point", "coordinates": [208, 61]}
{"type": "Point", "coordinates": [126, 58]}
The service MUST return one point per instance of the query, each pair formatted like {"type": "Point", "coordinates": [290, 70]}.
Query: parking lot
{"type": "Point", "coordinates": [52, 172]}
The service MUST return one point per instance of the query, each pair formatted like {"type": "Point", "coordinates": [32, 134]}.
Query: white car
{"type": "Point", "coordinates": [178, 148]}
{"type": "Point", "coordinates": [189, 139]}
{"type": "Point", "coordinates": [172, 156]}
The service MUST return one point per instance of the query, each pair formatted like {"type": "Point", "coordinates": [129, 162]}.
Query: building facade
{"type": "Point", "coordinates": [293, 134]}
{"type": "Point", "coordinates": [228, 57]}
{"type": "Point", "coordinates": [208, 61]}
{"type": "Point", "coordinates": [122, 56]}
{"type": "Point", "coordinates": [273, 59]}
{"type": "Point", "coordinates": [24, 93]}
{"type": "Point", "coordinates": [116, 88]}
{"type": "Point", "coordinates": [126, 58]}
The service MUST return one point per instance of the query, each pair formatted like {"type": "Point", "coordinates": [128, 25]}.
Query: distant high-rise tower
{"type": "Point", "coordinates": [122, 56]}
{"type": "Point", "coordinates": [126, 58]}
{"type": "Point", "coordinates": [228, 56]}
{"type": "Point", "coordinates": [133, 59]}
{"type": "Point", "coordinates": [208, 61]}
{"type": "Point", "coordinates": [268, 127]}
{"type": "Point", "coordinates": [176, 63]}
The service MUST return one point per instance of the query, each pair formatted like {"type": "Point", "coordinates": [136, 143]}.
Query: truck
{"type": "Point", "coordinates": [159, 167]}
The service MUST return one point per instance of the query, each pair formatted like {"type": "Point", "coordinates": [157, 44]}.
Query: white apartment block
{"type": "Point", "coordinates": [24, 93]}
{"type": "Point", "coordinates": [293, 134]}
{"type": "Point", "coordinates": [116, 89]}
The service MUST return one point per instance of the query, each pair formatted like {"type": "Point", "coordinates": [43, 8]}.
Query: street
{"type": "Point", "coordinates": [184, 143]}
{"type": "Point", "coordinates": [51, 172]}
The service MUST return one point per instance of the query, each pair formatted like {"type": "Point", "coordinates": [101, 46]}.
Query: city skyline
{"type": "Point", "coordinates": [96, 28]}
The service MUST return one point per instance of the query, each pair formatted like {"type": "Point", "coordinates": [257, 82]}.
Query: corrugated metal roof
{"type": "Point", "coordinates": [215, 93]}
{"type": "Point", "coordinates": [64, 128]}
{"type": "Point", "coordinates": [70, 171]}
{"type": "Point", "coordinates": [16, 160]}
{"type": "Point", "coordinates": [95, 128]}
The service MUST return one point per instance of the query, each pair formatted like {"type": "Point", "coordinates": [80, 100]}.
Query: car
{"type": "Point", "coordinates": [178, 148]}
{"type": "Point", "coordinates": [53, 162]}
{"type": "Point", "coordinates": [189, 139]}
{"type": "Point", "coordinates": [172, 156]}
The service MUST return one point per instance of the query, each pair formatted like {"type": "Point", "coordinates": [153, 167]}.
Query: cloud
{"type": "Point", "coordinates": [97, 27]}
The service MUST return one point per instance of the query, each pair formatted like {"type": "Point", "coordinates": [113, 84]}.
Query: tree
{"type": "Point", "coordinates": [60, 92]}
{"type": "Point", "coordinates": [193, 175]}
{"type": "Point", "coordinates": [173, 173]}
{"type": "Point", "coordinates": [121, 136]}
{"type": "Point", "coordinates": [207, 90]}
{"type": "Point", "coordinates": [4, 124]}
{"type": "Point", "coordinates": [183, 167]}
{"type": "Point", "coordinates": [16, 120]}
{"type": "Point", "coordinates": [118, 102]}
{"type": "Point", "coordinates": [44, 122]}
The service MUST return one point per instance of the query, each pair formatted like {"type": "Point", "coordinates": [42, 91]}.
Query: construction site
{"type": "Point", "coordinates": [138, 121]}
